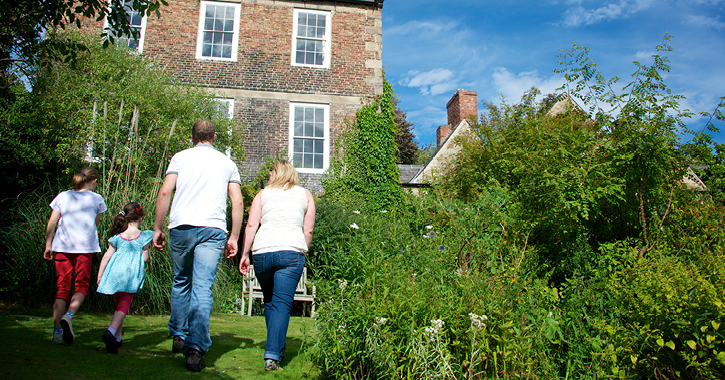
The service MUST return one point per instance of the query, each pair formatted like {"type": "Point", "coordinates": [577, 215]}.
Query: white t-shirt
{"type": "Point", "coordinates": [202, 186]}
{"type": "Point", "coordinates": [77, 232]}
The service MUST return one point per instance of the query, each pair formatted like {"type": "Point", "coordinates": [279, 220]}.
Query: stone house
{"type": "Point", "coordinates": [290, 71]}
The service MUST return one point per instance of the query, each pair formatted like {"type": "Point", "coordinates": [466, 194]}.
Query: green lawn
{"type": "Point", "coordinates": [27, 351]}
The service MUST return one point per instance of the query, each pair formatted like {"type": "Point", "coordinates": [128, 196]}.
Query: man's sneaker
{"type": "Point", "coordinates": [194, 361]}
{"type": "Point", "coordinates": [58, 338]}
{"type": "Point", "coordinates": [178, 345]}
{"type": "Point", "coordinates": [272, 365]}
{"type": "Point", "coordinates": [110, 341]}
{"type": "Point", "coordinates": [67, 326]}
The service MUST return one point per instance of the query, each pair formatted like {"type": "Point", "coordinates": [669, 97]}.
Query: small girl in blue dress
{"type": "Point", "coordinates": [122, 268]}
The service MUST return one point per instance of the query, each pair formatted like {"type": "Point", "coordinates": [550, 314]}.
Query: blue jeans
{"type": "Point", "coordinates": [278, 274]}
{"type": "Point", "coordinates": [195, 252]}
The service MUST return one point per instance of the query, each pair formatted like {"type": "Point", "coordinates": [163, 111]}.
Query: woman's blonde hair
{"type": "Point", "coordinates": [285, 175]}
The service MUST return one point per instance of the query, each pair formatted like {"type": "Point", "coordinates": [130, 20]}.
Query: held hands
{"type": "Point", "coordinates": [230, 250]}
{"type": "Point", "coordinates": [159, 240]}
{"type": "Point", "coordinates": [244, 265]}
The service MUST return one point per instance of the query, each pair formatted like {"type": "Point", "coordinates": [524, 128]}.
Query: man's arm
{"type": "Point", "coordinates": [162, 206]}
{"type": "Point", "coordinates": [235, 196]}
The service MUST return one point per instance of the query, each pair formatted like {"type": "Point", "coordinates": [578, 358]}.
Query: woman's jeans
{"type": "Point", "coordinates": [278, 274]}
{"type": "Point", "coordinates": [195, 252]}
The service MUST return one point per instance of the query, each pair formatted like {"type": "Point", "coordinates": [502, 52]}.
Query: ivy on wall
{"type": "Point", "coordinates": [363, 170]}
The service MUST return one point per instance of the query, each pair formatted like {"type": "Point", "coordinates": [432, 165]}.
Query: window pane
{"type": "Point", "coordinates": [319, 161]}
{"type": "Point", "coordinates": [229, 25]}
{"type": "Point", "coordinates": [309, 145]}
{"type": "Point", "coordinates": [228, 39]}
{"type": "Point", "coordinates": [136, 19]}
{"type": "Point", "coordinates": [307, 161]}
{"type": "Point", "coordinates": [219, 12]}
{"type": "Point", "coordinates": [297, 129]}
{"type": "Point", "coordinates": [319, 129]}
{"type": "Point", "coordinates": [206, 50]}
{"type": "Point", "coordinates": [319, 145]}
{"type": "Point", "coordinates": [319, 57]}
{"type": "Point", "coordinates": [297, 158]}
{"type": "Point", "coordinates": [229, 14]}
{"type": "Point", "coordinates": [226, 51]}
{"type": "Point", "coordinates": [297, 146]}
{"type": "Point", "coordinates": [216, 51]}
{"type": "Point", "coordinates": [309, 114]}
{"type": "Point", "coordinates": [210, 11]}
{"type": "Point", "coordinates": [319, 115]}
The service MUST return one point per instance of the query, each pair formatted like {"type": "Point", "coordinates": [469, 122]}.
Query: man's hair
{"type": "Point", "coordinates": [285, 176]}
{"type": "Point", "coordinates": [203, 130]}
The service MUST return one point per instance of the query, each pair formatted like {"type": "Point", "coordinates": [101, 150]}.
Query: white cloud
{"type": "Point", "coordinates": [433, 82]}
{"type": "Point", "coordinates": [579, 16]}
{"type": "Point", "coordinates": [421, 29]}
{"type": "Point", "coordinates": [704, 21]}
{"type": "Point", "coordinates": [513, 86]}
{"type": "Point", "coordinates": [644, 54]}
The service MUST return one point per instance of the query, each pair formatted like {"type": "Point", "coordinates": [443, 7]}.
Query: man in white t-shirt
{"type": "Point", "coordinates": [202, 177]}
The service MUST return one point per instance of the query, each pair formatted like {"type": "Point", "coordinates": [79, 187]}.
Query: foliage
{"type": "Point", "coordinates": [362, 170]}
{"type": "Point", "coordinates": [423, 154]}
{"type": "Point", "coordinates": [431, 290]}
{"type": "Point", "coordinates": [708, 157]}
{"type": "Point", "coordinates": [407, 147]}
{"type": "Point", "coordinates": [26, 22]}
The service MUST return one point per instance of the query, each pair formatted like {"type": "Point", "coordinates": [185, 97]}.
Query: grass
{"type": "Point", "coordinates": [27, 351]}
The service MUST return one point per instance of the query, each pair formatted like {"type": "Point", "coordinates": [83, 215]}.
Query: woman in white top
{"type": "Point", "coordinates": [280, 225]}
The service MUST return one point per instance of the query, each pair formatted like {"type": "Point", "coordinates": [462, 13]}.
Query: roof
{"type": "Point", "coordinates": [407, 172]}
{"type": "Point", "coordinates": [375, 3]}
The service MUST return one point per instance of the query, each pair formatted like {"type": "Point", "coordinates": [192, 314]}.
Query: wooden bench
{"type": "Point", "coordinates": [251, 290]}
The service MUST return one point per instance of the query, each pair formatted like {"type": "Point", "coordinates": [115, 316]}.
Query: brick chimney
{"type": "Point", "coordinates": [461, 106]}
{"type": "Point", "coordinates": [441, 134]}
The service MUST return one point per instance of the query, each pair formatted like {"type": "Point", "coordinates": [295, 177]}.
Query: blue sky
{"type": "Point", "coordinates": [432, 48]}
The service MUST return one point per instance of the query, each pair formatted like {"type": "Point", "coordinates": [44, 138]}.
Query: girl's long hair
{"type": "Point", "coordinates": [132, 212]}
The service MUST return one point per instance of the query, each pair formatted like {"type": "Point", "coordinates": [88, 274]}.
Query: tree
{"type": "Point", "coordinates": [407, 147]}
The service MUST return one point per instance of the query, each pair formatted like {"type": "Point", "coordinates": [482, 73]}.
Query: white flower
{"type": "Point", "coordinates": [383, 211]}
{"type": "Point", "coordinates": [434, 329]}
{"type": "Point", "coordinates": [341, 328]}
{"type": "Point", "coordinates": [342, 284]}
{"type": "Point", "coordinates": [428, 227]}
{"type": "Point", "coordinates": [425, 236]}
{"type": "Point", "coordinates": [354, 226]}
{"type": "Point", "coordinates": [356, 212]}
{"type": "Point", "coordinates": [477, 320]}
{"type": "Point", "coordinates": [380, 320]}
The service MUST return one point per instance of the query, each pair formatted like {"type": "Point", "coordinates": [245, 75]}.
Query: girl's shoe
{"type": "Point", "coordinates": [110, 341]}
{"type": "Point", "coordinates": [67, 326]}
{"type": "Point", "coordinates": [272, 365]}
{"type": "Point", "coordinates": [58, 338]}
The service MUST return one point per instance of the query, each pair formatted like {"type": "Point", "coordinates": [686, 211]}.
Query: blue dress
{"type": "Point", "coordinates": [125, 270]}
